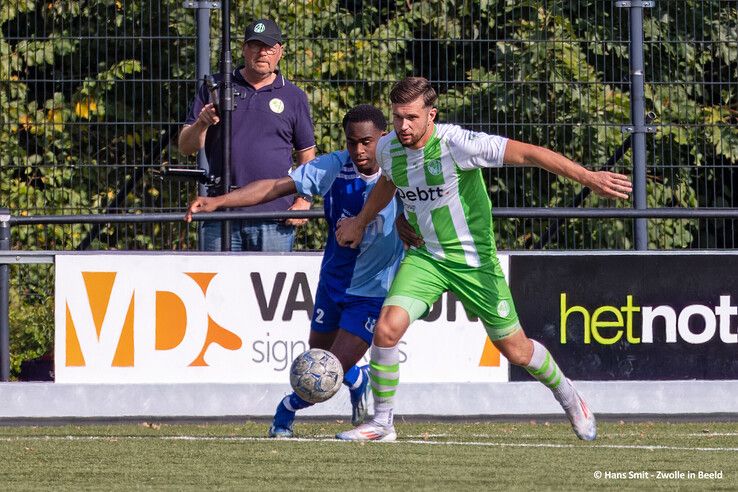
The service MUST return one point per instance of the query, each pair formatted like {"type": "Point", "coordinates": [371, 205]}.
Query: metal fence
{"type": "Point", "coordinates": [94, 94]}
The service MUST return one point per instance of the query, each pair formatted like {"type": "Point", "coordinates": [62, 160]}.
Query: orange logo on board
{"type": "Point", "coordinates": [170, 322]}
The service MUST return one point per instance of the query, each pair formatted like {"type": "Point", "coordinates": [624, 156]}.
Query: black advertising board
{"type": "Point", "coordinates": [631, 317]}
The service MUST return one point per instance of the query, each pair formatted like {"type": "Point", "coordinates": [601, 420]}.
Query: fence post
{"type": "Point", "coordinates": [203, 68]}
{"type": "Point", "coordinates": [638, 114]}
{"type": "Point", "coordinates": [4, 297]}
{"type": "Point", "coordinates": [226, 108]}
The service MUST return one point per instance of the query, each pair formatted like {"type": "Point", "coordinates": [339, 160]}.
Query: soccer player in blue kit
{"type": "Point", "coordinates": [353, 282]}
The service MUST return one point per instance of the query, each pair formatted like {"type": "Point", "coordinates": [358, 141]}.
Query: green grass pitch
{"type": "Point", "coordinates": [429, 455]}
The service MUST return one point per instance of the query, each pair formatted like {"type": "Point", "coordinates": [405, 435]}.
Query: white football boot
{"type": "Point", "coordinates": [581, 417]}
{"type": "Point", "coordinates": [369, 431]}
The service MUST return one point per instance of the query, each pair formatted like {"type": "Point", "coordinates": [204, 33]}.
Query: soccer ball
{"type": "Point", "coordinates": [316, 375]}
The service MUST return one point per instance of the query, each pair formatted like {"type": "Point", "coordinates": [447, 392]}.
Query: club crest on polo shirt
{"type": "Point", "coordinates": [276, 105]}
{"type": "Point", "coordinates": [434, 167]}
{"type": "Point", "coordinates": [259, 27]}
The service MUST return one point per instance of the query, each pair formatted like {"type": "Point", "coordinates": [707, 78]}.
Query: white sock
{"type": "Point", "coordinates": [384, 372]}
{"type": "Point", "coordinates": [543, 367]}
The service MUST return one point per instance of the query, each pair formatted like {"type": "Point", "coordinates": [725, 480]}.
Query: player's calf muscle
{"type": "Point", "coordinates": [517, 348]}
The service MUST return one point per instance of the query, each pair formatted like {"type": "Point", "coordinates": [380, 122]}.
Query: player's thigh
{"type": "Point", "coordinates": [417, 278]}
{"type": "Point", "coordinates": [348, 348]}
{"type": "Point", "coordinates": [322, 339]}
{"type": "Point", "coordinates": [417, 285]}
{"type": "Point", "coordinates": [326, 313]}
{"type": "Point", "coordinates": [484, 293]}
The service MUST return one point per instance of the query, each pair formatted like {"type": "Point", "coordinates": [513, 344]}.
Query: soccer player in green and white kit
{"type": "Point", "coordinates": [436, 170]}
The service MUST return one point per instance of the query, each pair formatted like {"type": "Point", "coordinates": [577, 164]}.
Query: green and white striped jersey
{"type": "Point", "coordinates": [443, 191]}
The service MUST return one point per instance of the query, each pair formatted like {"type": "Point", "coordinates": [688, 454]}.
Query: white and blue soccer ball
{"type": "Point", "coordinates": [316, 375]}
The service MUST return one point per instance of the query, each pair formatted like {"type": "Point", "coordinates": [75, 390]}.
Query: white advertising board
{"type": "Point", "coordinates": [227, 319]}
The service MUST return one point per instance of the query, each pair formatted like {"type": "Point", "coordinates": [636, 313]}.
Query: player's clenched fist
{"type": "Point", "coordinates": [349, 232]}
{"type": "Point", "coordinates": [202, 204]}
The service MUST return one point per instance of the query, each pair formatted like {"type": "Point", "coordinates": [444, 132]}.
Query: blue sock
{"type": "Point", "coordinates": [294, 403]}
{"type": "Point", "coordinates": [285, 414]}
{"type": "Point", "coordinates": [353, 377]}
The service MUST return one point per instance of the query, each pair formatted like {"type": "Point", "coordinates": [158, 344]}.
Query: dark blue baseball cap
{"type": "Point", "coordinates": [265, 30]}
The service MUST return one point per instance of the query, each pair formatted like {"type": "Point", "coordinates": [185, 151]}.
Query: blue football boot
{"type": "Point", "coordinates": [360, 398]}
{"type": "Point", "coordinates": [282, 423]}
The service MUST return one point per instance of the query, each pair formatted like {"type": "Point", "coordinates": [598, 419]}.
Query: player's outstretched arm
{"type": "Point", "coordinates": [604, 183]}
{"type": "Point", "coordinates": [254, 193]}
{"type": "Point", "coordinates": [350, 230]}
{"type": "Point", "coordinates": [303, 156]}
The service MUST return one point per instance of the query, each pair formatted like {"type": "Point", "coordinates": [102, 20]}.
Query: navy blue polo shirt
{"type": "Point", "coordinates": [267, 124]}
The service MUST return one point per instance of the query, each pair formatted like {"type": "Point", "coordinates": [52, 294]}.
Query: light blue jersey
{"type": "Point", "coordinates": [368, 270]}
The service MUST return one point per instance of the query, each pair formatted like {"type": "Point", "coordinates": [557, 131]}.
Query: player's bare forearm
{"type": "Point", "coordinates": [604, 183]}
{"type": "Point", "coordinates": [302, 156]}
{"type": "Point", "coordinates": [256, 192]}
{"type": "Point", "coordinates": [261, 191]}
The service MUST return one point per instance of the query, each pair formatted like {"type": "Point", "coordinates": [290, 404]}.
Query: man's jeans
{"type": "Point", "coordinates": [250, 235]}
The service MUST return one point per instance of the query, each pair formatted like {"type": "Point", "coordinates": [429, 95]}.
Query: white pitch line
{"type": "Point", "coordinates": [654, 447]}
{"type": "Point", "coordinates": [610, 434]}
{"type": "Point", "coordinates": [709, 434]}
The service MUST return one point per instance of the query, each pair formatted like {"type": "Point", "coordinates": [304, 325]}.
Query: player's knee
{"type": "Point", "coordinates": [385, 336]}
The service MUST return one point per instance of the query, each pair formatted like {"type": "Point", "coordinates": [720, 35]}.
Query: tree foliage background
{"type": "Point", "coordinates": [94, 92]}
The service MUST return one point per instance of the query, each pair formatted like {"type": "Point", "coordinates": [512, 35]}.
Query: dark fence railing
{"type": "Point", "coordinates": [500, 213]}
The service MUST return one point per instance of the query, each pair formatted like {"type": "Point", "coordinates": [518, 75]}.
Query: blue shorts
{"type": "Point", "coordinates": [354, 314]}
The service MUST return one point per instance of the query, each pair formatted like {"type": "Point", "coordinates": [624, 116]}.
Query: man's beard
{"type": "Point", "coordinates": [412, 142]}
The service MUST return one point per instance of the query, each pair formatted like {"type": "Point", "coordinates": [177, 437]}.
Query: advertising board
{"type": "Point", "coordinates": [631, 317]}
{"type": "Point", "coordinates": [226, 318]}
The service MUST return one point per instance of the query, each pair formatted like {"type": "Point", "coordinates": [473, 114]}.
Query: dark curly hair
{"type": "Point", "coordinates": [365, 112]}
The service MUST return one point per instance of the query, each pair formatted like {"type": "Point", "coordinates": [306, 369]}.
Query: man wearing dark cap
{"type": "Point", "coordinates": [270, 121]}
